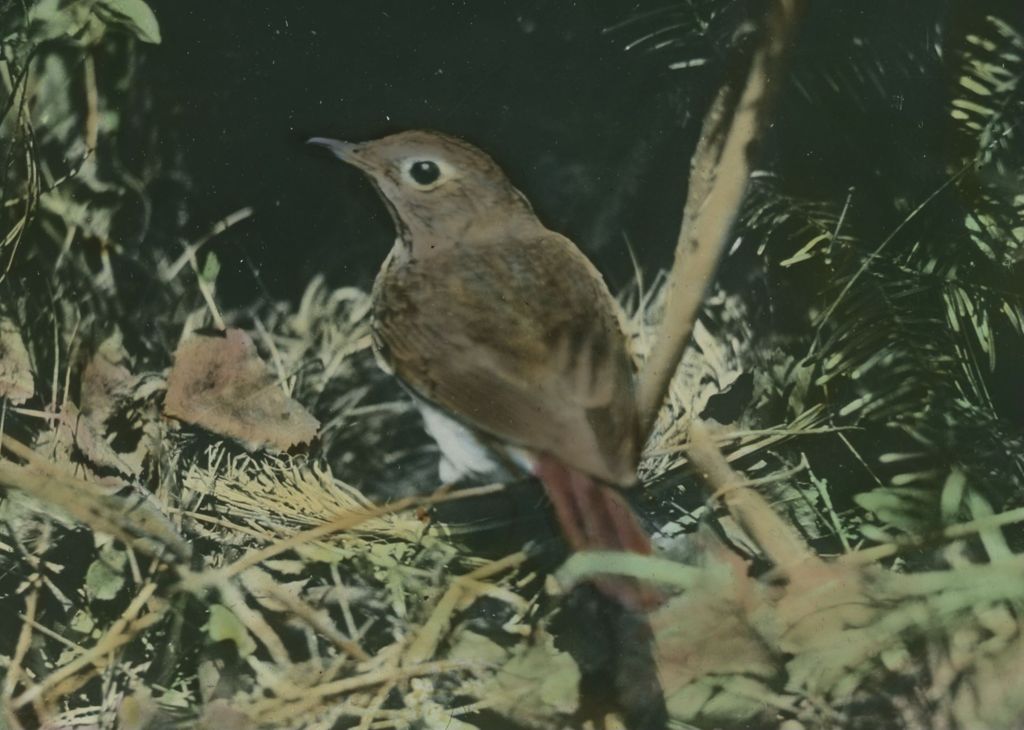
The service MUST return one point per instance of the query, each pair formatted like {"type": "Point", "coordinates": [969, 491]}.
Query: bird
{"type": "Point", "coordinates": [507, 338]}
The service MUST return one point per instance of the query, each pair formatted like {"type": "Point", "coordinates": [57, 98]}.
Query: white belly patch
{"type": "Point", "coordinates": [463, 455]}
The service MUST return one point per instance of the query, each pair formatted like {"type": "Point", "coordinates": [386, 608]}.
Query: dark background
{"type": "Point", "coordinates": [597, 136]}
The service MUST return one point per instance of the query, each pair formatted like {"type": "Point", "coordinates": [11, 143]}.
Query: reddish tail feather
{"type": "Point", "coordinates": [594, 516]}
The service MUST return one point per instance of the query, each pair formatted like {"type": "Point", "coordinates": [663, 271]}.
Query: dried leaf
{"type": "Point", "coordinates": [537, 682]}
{"type": "Point", "coordinates": [137, 711]}
{"type": "Point", "coordinates": [472, 647]}
{"type": "Point", "coordinates": [75, 437]}
{"type": "Point", "coordinates": [106, 379]}
{"type": "Point", "coordinates": [218, 382]}
{"type": "Point", "coordinates": [705, 642]}
{"type": "Point", "coordinates": [120, 405]}
{"type": "Point", "coordinates": [220, 715]}
{"type": "Point", "coordinates": [16, 383]}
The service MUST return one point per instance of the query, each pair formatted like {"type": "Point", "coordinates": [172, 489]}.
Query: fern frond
{"type": "Point", "coordinates": [987, 102]}
{"type": "Point", "coordinates": [701, 28]}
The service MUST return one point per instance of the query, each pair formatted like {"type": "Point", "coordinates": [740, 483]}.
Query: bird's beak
{"type": "Point", "coordinates": [346, 151]}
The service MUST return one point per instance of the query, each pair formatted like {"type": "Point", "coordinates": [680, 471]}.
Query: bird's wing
{"type": "Point", "coordinates": [521, 340]}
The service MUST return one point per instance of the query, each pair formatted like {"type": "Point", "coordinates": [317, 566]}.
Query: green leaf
{"type": "Point", "coordinates": [104, 578]}
{"type": "Point", "coordinates": [952, 494]}
{"type": "Point", "coordinates": [135, 15]}
{"type": "Point", "coordinates": [688, 701]}
{"type": "Point", "coordinates": [225, 625]}
{"type": "Point", "coordinates": [211, 267]}
{"type": "Point", "coordinates": [991, 537]}
{"type": "Point", "coordinates": [83, 622]}
{"type": "Point", "coordinates": [738, 699]}
{"type": "Point", "coordinates": [903, 508]}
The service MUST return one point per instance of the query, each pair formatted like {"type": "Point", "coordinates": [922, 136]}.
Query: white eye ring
{"type": "Point", "coordinates": [424, 173]}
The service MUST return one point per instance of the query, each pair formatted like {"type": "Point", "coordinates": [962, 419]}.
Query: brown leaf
{"type": "Point", "coordinates": [15, 373]}
{"type": "Point", "coordinates": [106, 379]}
{"type": "Point", "coordinates": [119, 404]}
{"type": "Point", "coordinates": [74, 436]}
{"type": "Point", "coordinates": [221, 715]}
{"type": "Point", "coordinates": [706, 631]}
{"type": "Point", "coordinates": [218, 382]}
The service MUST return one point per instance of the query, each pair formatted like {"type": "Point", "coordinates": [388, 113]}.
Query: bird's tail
{"type": "Point", "coordinates": [594, 516]}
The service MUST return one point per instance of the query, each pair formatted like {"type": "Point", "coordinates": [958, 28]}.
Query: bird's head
{"type": "Point", "coordinates": [439, 189]}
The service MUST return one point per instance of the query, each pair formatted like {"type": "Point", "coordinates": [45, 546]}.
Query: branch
{"type": "Point", "coordinates": [779, 542]}
{"type": "Point", "coordinates": [719, 172]}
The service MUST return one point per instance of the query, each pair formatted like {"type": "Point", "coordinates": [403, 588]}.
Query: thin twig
{"type": "Point", "coordinates": [346, 520]}
{"type": "Point", "coordinates": [121, 632]}
{"type": "Point", "coordinates": [21, 648]}
{"type": "Point", "coordinates": [429, 636]}
{"type": "Point", "coordinates": [92, 102]}
{"type": "Point", "coordinates": [317, 620]}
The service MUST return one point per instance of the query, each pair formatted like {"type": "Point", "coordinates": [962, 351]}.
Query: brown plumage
{"type": "Point", "coordinates": [465, 328]}
{"type": "Point", "coordinates": [493, 320]}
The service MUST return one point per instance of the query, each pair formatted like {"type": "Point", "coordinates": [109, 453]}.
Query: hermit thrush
{"type": "Point", "coordinates": [506, 335]}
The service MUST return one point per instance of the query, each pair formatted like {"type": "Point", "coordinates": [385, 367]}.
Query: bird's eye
{"type": "Point", "coordinates": [424, 173]}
